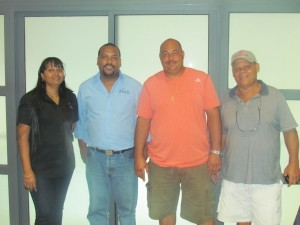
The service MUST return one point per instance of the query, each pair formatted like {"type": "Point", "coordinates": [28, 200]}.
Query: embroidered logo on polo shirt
{"type": "Point", "coordinates": [124, 91]}
{"type": "Point", "coordinates": [198, 80]}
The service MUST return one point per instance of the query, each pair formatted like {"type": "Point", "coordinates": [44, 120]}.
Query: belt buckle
{"type": "Point", "coordinates": [109, 152]}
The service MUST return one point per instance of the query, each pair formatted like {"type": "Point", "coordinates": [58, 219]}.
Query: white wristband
{"type": "Point", "coordinates": [216, 152]}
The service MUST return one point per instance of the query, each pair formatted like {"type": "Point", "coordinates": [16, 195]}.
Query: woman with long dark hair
{"type": "Point", "coordinates": [46, 119]}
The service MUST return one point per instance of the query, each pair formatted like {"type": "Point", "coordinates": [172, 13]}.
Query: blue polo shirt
{"type": "Point", "coordinates": [107, 119]}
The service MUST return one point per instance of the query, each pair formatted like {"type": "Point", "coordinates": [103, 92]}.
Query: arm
{"type": "Point", "coordinates": [80, 131]}
{"type": "Point", "coordinates": [83, 149]}
{"type": "Point", "coordinates": [292, 145]}
{"type": "Point", "coordinates": [73, 104]}
{"type": "Point", "coordinates": [216, 177]}
{"type": "Point", "coordinates": [146, 151]}
{"type": "Point", "coordinates": [23, 137]}
{"type": "Point", "coordinates": [141, 134]}
{"type": "Point", "coordinates": [215, 133]}
{"type": "Point", "coordinates": [73, 126]}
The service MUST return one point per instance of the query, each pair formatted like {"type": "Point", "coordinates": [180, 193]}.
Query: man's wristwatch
{"type": "Point", "coordinates": [216, 152]}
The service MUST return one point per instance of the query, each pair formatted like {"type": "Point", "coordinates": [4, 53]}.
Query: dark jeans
{"type": "Point", "coordinates": [49, 199]}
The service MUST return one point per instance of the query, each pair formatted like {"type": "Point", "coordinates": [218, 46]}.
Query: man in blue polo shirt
{"type": "Point", "coordinates": [105, 131]}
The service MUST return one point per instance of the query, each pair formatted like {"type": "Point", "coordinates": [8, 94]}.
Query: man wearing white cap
{"type": "Point", "coordinates": [253, 115]}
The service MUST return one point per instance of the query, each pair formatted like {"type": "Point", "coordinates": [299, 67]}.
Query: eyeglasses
{"type": "Point", "coordinates": [257, 124]}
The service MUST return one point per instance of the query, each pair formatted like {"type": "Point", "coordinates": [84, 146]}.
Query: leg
{"type": "Point", "coordinates": [210, 222]}
{"type": "Point", "coordinates": [216, 189]}
{"type": "Point", "coordinates": [197, 195]}
{"type": "Point", "coordinates": [163, 190]}
{"type": "Point", "coordinates": [168, 220]}
{"type": "Point", "coordinates": [97, 175]}
{"type": "Point", "coordinates": [49, 199]}
{"type": "Point", "coordinates": [235, 203]}
{"type": "Point", "coordinates": [124, 186]}
{"type": "Point", "coordinates": [266, 204]}
{"type": "Point", "coordinates": [61, 185]}
{"type": "Point", "coordinates": [43, 200]}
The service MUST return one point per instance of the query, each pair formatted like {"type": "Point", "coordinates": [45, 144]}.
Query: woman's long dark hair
{"type": "Point", "coordinates": [40, 88]}
{"type": "Point", "coordinates": [39, 92]}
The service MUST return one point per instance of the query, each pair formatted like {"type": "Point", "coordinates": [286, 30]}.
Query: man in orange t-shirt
{"type": "Point", "coordinates": [180, 108]}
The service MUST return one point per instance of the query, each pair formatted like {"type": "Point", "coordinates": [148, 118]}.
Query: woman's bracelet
{"type": "Point", "coordinates": [28, 176]}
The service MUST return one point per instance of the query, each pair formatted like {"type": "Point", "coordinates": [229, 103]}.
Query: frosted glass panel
{"type": "Point", "coordinates": [290, 195]}
{"type": "Point", "coordinates": [295, 108]}
{"type": "Point", "coordinates": [2, 61]}
{"type": "Point", "coordinates": [3, 136]}
{"type": "Point", "coordinates": [274, 39]}
{"type": "Point", "coordinates": [4, 203]}
{"type": "Point", "coordinates": [139, 38]}
{"type": "Point", "coordinates": [76, 41]}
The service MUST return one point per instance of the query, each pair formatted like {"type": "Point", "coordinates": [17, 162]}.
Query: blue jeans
{"type": "Point", "coordinates": [49, 199]}
{"type": "Point", "coordinates": [111, 176]}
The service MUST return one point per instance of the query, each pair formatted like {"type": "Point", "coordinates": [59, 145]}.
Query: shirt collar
{"type": "Point", "coordinates": [263, 90]}
{"type": "Point", "coordinates": [97, 77]}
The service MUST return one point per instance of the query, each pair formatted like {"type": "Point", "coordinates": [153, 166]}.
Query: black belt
{"type": "Point", "coordinates": [111, 152]}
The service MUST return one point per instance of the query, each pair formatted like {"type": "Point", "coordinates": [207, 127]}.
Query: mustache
{"type": "Point", "coordinates": [171, 61]}
{"type": "Point", "coordinates": [109, 65]}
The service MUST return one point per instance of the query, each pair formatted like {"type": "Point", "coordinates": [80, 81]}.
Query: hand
{"type": "Point", "coordinates": [83, 150]}
{"type": "Point", "coordinates": [215, 178]}
{"type": "Point", "coordinates": [293, 172]}
{"type": "Point", "coordinates": [30, 182]}
{"type": "Point", "coordinates": [140, 165]}
{"type": "Point", "coordinates": [214, 164]}
{"type": "Point", "coordinates": [83, 154]}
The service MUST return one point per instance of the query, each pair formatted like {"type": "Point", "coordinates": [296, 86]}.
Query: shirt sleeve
{"type": "Point", "coordinates": [211, 96]}
{"type": "Point", "coordinates": [285, 117]}
{"type": "Point", "coordinates": [24, 111]}
{"type": "Point", "coordinates": [144, 105]}
{"type": "Point", "coordinates": [74, 106]}
{"type": "Point", "coordinates": [81, 125]}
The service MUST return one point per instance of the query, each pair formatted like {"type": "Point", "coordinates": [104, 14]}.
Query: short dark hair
{"type": "Point", "coordinates": [109, 44]}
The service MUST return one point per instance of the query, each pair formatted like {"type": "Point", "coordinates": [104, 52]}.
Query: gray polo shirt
{"type": "Point", "coordinates": [252, 152]}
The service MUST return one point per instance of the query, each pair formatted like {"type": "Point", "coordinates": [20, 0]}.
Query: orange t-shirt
{"type": "Point", "coordinates": [179, 136]}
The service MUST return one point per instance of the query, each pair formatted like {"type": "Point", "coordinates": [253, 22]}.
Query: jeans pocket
{"type": "Point", "coordinates": [90, 152]}
{"type": "Point", "coordinates": [128, 154]}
